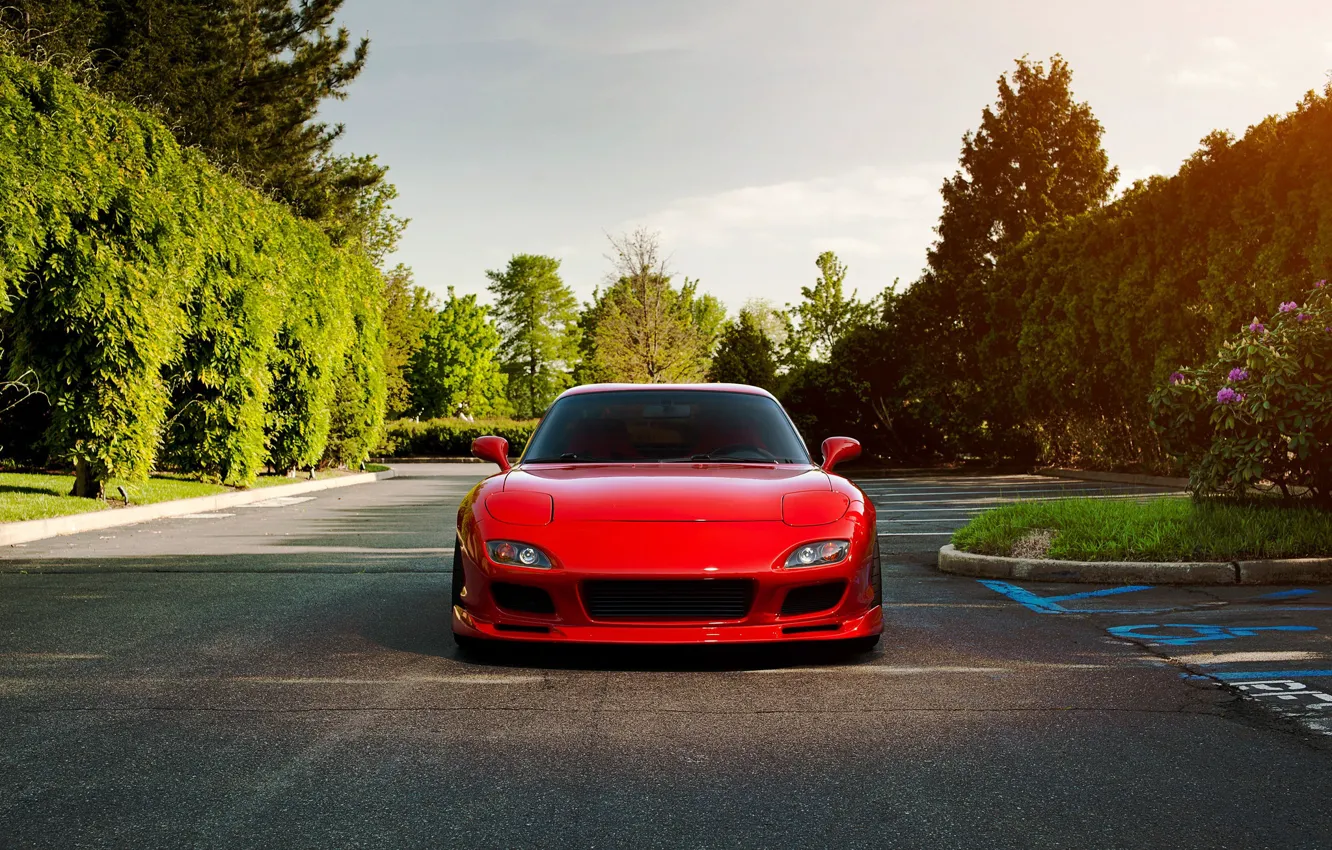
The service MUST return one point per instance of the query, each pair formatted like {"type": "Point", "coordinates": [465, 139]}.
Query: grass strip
{"type": "Point", "coordinates": [25, 496]}
{"type": "Point", "coordinates": [1169, 529]}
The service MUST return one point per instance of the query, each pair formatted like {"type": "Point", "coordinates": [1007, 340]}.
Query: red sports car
{"type": "Point", "coordinates": [666, 513]}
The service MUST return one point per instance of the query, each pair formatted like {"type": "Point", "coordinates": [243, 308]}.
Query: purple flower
{"type": "Point", "coordinates": [1302, 317]}
{"type": "Point", "coordinates": [1238, 375]}
{"type": "Point", "coordinates": [1320, 284]}
{"type": "Point", "coordinates": [1288, 307]}
{"type": "Point", "coordinates": [1258, 327]}
{"type": "Point", "coordinates": [1176, 378]}
{"type": "Point", "coordinates": [1228, 396]}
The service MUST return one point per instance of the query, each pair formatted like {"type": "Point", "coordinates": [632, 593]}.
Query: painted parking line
{"type": "Point", "coordinates": [1210, 659]}
{"type": "Point", "coordinates": [1009, 501]}
{"type": "Point", "coordinates": [1010, 492]}
{"type": "Point", "coordinates": [1309, 706]}
{"type": "Point", "coordinates": [1053, 604]}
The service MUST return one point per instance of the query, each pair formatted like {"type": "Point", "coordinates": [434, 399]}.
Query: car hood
{"type": "Point", "coordinates": [666, 492]}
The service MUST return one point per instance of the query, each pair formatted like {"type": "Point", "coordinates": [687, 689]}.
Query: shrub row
{"type": "Point", "coordinates": [1087, 317]}
{"type": "Point", "coordinates": [450, 437]}
{"type": "Point", "coordinates": [171, 315]}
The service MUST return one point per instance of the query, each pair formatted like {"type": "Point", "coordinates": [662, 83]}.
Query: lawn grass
{"type": "Point", "coordinates": [25, 496]}
{"type": "Point", "coordinates": [39, 496]}
{"type": "Point", "coordinates": [1170, 529]}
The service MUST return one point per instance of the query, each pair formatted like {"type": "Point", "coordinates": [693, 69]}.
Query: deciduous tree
{"type": "Point", "coordinates": [827, 314]}
{"type": "Point", "coordinates": [647, 331]}
{"type": "Point", "coordinates": [455, 370]}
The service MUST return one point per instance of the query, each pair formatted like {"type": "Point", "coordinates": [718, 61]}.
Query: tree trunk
{"type": "Point", "coordinates": [84, 484]}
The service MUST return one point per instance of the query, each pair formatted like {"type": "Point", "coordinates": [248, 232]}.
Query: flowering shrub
{"type": "Point", "coordinates": [1260, 414]}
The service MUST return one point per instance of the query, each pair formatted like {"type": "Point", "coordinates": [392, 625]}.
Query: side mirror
{"type": "Point", "coordinates": [839, 450]}
{"type": "Point", "coordinates": [495, 450]}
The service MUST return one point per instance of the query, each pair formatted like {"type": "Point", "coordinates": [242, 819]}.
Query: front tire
{"type": "Point", "coordinates": [471, 646]}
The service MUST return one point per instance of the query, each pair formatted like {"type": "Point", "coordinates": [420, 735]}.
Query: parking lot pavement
{"type": "Point", "coordinates": [265, 705]}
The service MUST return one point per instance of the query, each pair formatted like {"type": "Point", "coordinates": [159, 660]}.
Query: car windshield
{"type": "Point", "coordinates": [671, 426]}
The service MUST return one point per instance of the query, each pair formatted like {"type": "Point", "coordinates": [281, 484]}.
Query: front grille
{"type": "Point", "coordinates": [816, 597]}
{"type": "Point", "coordinates": [520, 597]}
{"type": "Point", "coordinates": [708, 599]}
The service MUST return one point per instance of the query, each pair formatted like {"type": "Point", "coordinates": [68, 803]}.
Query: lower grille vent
{"type": "Point", "coordinates": [816, 597]}
{"type": "Point", "coordinates": [708, 599]}
{"type": "Point", "coordinates": [520, 597]}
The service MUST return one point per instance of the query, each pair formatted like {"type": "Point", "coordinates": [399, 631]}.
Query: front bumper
{"type": "Point", "coordinates": [856, 614]}
{"type": "Point", "coordinates": [806, 629]}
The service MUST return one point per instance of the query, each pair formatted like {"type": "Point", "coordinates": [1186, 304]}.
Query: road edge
{"type": "Point", "coordinates": [1116, 477]}
{"type": "Point", "coordinates": [1282, 571]}
{"type": "Point", "coordinates": [41, 529]}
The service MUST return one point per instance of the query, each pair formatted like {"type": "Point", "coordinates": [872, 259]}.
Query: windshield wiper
{"type": "Point", "coordinates": [567, 457]}
{"type": "Point", "coordinates": [737, 458]}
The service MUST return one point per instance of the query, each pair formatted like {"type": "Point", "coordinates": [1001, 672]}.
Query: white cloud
{"type": "Point", "coordinates": [840, 207]}
{"type": "Point", "coordinates": [1221, 66]}
{"type": "Point", "coordinates": [1221, 44]}
{"type": "Point", "coordinates": [761, 241]}
{"type": "Point", "coordinates": [1231, 76]}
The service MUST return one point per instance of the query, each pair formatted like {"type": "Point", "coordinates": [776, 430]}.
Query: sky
{"type": "Point", "coordinates": [754, 134]}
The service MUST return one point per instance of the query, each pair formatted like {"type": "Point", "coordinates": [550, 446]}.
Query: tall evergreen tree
{"type": "Point", "coordinates": [538, 320]}
{"type": "Point", "coordinates": [241, 79]}
{"type": "Point", "coordinates": [1036, 159]}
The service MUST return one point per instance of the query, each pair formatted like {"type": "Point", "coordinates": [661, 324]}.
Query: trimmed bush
{"type": "Point", "coordinates": [172, 315]}
{"type": "Point", "coordinates": [451, 437]}
{"type": "Point", "coordinates": [1260, 412]}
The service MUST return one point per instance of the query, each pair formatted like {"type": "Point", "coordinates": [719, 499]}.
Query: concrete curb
{"type": "Point", "coordinates": [425, 459]}
{"type": "Point", "coordinates": [1286, 571]}
{"type": "Point", "coordinates": [40, 529]}
{"type": "Point", "coordinates": [1116, 477]}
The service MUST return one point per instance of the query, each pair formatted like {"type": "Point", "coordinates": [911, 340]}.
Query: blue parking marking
{"type": "Point", "coordinates": [1296, 593]}
{"type": "Point", "coordinates": [1050, 604]}
{"type": "Point", "coordinates": [1201, 633]}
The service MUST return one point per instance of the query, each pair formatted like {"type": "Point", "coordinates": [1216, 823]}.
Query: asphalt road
{"type": "Point", "coordinates": [283, 677]}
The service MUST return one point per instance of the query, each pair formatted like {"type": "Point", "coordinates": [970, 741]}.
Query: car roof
{"type": "Point", "coordinates": [714, 388]}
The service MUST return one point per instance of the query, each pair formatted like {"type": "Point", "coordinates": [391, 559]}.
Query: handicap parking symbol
{"type": "Point", "coordinates": [1187, 634]}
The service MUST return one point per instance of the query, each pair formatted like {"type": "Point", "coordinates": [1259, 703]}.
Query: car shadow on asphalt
{"type": "Point", "coordinates": [660, 659]}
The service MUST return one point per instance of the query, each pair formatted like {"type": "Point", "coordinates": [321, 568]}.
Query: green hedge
{"type": "Point", "coordinates": [1086, 318]}
{"type": "Point", "coordinates": [172, 315]}
{"type": "Point", "coordinates": [450, 437]}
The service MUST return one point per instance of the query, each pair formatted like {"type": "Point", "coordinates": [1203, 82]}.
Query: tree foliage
{"type": "Point", "coordinates": [644, 329]}
{"type": "Point", "coordinates": [169, 313]}
{"type": "Point", "coordinates": [455, 371]}
{"type": "Point", "coordinates": [1260, 412]}
{"type": "Point", "coordinates": [408, 311]}
{"type": "Point", "coordinates": [827, 313]}
{"type": "Point", "coordinates": [243, 80]}
{"type": "Point", "coordinates": [1036, 159]}
{"type": "Point", "coordinates": [538, 324]}
{"type": "Point", "coordinates": [744, 355]}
